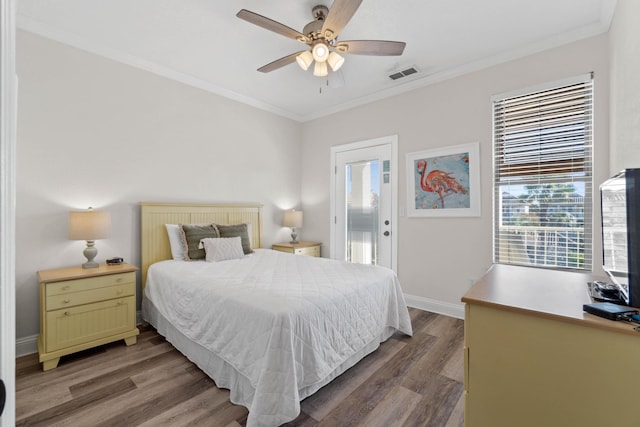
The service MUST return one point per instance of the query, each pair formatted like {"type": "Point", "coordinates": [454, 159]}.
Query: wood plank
{"type": "Point", "coordinates": [143, 403]}
{"type": "Point", "coordinates": [152, 384]}
{"type": "Point", "coordinates": [362, 401]}
{"type": "Point", "coordinates": [433, 361]}
{"type": "Point", "coordinates": [331, 395]}
{"type": "Point", "coordinates": [67, 409]}
{"type": "Point", "coordinates": [88, 361]}
{"type": "Point", "coordinates": [126, 371]}
{"type": "Point", "coordinates": [456, 419]}
{"type": "Point", "coordinates": [438, 402]}
{"type": "Point", "coordinates": [57, 388]}
{"type": "Point", "coordinates": [189, 411]}
{"type": "Point", "coordinates": [394, 410]}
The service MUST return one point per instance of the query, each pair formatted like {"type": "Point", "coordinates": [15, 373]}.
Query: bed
{"type": "Point", "coordinates": [271, 327]}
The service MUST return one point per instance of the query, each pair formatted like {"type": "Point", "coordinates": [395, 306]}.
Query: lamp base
{"type": "Point", "coordinates": [90, 264]}
{"type": "Point", "coordinates": [294, 236]}
{"type": "Point", "coordinates": [90, 253]}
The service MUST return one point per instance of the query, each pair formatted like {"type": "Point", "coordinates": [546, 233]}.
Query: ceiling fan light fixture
{"type": "Point", "coordinates": [320, 52]}
{"type": "Point", "coordinates": [304, 60]}
{"type": "Point", "coordinates": [320, 69]}
{"type": "Point", "coordinates": [335, 61]}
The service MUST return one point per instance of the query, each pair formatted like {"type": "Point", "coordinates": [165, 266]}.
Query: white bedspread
{"type": "Point", "coordinates": [287, 324]}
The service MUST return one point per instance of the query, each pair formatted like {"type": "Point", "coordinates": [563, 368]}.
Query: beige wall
{"type": "Point", "coordinates": [624, 37]}
{"type": "Point", "coordinates": [438, 258]}
{"type": "Point", "coordinates": [93, 132]}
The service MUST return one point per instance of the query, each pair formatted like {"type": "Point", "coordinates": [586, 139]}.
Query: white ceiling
{"type": "Point", "coordinates": [202, 43]}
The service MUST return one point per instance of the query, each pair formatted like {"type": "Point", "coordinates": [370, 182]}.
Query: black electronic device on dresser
{"type": "Point", "coordinates": [620, 209]}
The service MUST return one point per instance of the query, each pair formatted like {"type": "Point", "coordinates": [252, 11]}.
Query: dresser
{"type": "Point", "coordinates": [83, 308]}
{"type": "Point", "coordinates": [532, 357]}
{"type": "Point", "coordinates": [300, 248]}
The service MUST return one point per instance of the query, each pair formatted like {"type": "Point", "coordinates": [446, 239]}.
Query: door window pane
{"type": "Point", "coordinates": [363, 194]}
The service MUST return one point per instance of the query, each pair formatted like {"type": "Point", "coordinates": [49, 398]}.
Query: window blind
{"type": "Point", "coordinates": [543, 176]}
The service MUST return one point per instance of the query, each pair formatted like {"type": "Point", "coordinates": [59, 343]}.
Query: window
{"type": "Point", "coordinates": [542, 175]}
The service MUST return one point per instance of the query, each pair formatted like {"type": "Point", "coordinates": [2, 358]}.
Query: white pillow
{"type": "Point", "coordinates": [175, 241]}
{"type": "Point", "coordinates": [222, 248]}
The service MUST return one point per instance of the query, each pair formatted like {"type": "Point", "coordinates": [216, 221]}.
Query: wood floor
{"type": "Point", "coordinates": [408, 381]}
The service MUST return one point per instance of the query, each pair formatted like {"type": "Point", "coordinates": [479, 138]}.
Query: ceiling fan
{"type": "Point", "coordinates": [321, 35]}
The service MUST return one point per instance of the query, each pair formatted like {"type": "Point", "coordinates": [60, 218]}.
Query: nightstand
{"type": "Point", "coordinates": [83, 308]}
{"type": "Point", "coordinates": [301, 248]}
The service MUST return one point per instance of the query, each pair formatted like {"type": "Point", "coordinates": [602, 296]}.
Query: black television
{"type": "Point", "coordinates": [620, 209]}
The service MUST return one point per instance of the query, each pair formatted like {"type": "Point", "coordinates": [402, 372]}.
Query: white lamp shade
{"type": "Point", "coordinates": [293, 219]}
{"type": "Point", "coordinates": [320, 52]}
{"type": "Point", "coordinates": [335, 61]}
{"type": "Point", "coordinates": [89, 225]}
{"type": "Point", "coordinates": [320, 69]}
{"type": "Point", "coordinates": [304, 60]}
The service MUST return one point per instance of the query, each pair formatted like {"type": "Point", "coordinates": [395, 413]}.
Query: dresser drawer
{"type": "Point", "coordinates": [71, 299]}
{"type": "Point", "coordinates": [85, 284]}
{"type": "Point", "coordinates": [310, 251]}
{"type": "Point", "coordinates": [301, 248]}
{"type": "Point", "coordinates": [81, 324]}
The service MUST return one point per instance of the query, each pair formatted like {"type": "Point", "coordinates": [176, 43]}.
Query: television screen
{"type": "Point", "coordinates": [620, 204]}
{"type": "Point", "coordinates": [614, 231]}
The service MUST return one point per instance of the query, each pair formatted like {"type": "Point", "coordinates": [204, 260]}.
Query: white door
{"type": "Point", "coordinates": [364, 202]}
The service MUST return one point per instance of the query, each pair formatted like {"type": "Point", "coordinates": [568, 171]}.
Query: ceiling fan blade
{"type": "Point", "coordinates": [271, 25]}
{"type": "Point", "coordinates": [339, 15]}
{"type": "Point", "coordinates": [371, 47]}
{"type": "Point", "coordinates": [279, 63]}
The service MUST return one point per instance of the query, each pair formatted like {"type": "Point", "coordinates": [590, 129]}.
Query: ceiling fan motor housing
{"type": "Point", "coordinates": [314, 28]}
{"type": "Point", "coordinates": [320, 11]}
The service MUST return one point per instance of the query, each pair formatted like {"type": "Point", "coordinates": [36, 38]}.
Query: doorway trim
{"type": "Point", "coordinates": [8, 123]}
{"type": "Point", "coordinates": [391, 140]}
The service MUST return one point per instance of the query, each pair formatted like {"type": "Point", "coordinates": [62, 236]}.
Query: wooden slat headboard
{"type": "Point", "coordinates": [153, 217]}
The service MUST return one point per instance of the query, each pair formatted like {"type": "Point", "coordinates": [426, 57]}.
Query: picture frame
{"type": "Point", "coordinates": [444, 182]}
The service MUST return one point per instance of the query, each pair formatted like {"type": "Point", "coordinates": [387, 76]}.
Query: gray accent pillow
{"type": "Point", "coordinates": [235, 231]}
{"type": "Point", "coordinates": [191, 236]}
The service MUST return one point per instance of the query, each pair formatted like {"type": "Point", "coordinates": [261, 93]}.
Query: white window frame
{"type": "Point", "coordinates": [542, 245]}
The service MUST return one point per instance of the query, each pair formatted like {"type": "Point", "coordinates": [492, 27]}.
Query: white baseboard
{"type": "Point", "coordinates": [26, 345]}
{"type": "Point", "coordinates": [440, 307]}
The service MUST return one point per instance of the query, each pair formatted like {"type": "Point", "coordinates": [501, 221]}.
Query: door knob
{"type": "Point", "coordinates": [386, 222]}
{"type": "Point", "coordinates": [386, 233]}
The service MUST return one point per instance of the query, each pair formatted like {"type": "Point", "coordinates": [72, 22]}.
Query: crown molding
{"type": "Point", "coordinates": [602, 26]}
{"type": "Point", "coordinates": [90, 46]}
{"type": "Point", "coordinates": [468, 68]}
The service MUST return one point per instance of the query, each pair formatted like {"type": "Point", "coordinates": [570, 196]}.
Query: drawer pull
{"type": "Point", "coordinates": [66, 288]}
{"type": "Point", "coordinates": [119, 279]}
{"type": "Point", "coordinates": [120, 302]}
{"type": "Point", "coordinates": [67, 301]}
{"type": "Point", "coordinates": [66, 313]}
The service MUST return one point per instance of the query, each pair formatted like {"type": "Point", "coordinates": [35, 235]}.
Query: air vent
{"type": "Point", "coordinates": [403, 73]}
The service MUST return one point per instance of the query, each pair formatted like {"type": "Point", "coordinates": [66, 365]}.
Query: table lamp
{"type": "Point", "coordinates": [293, 219]}
{"type": "Point", "coordinates": [89, 225]}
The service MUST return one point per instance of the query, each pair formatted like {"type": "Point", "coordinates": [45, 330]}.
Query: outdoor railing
{"type": "Point", "coordinates": [542, 246]}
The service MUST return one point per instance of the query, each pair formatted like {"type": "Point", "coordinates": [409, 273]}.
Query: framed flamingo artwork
{"type": "Point", "coordinates": [444, 182]}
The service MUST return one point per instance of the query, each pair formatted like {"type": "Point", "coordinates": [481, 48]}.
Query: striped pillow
{"type": "Point", "coordinates": [191, 236]}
